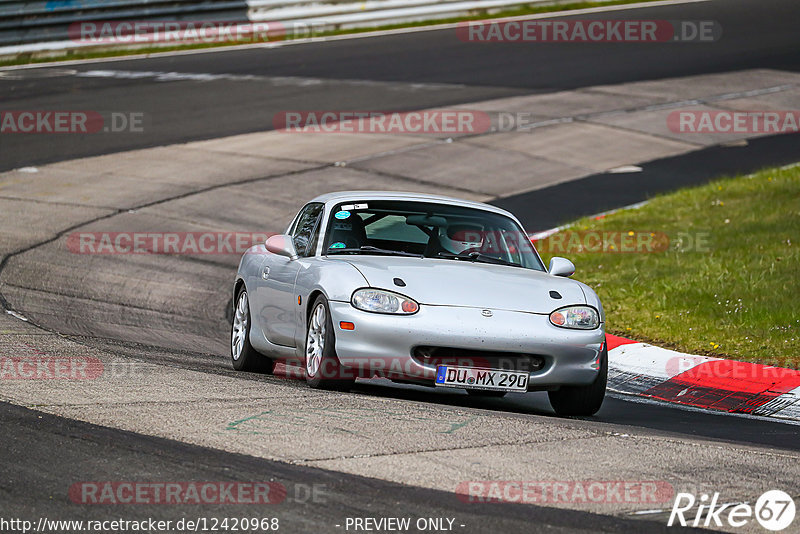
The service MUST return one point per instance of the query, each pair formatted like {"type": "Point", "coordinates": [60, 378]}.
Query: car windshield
{"type": "Point", "coordinates": [429, 230]}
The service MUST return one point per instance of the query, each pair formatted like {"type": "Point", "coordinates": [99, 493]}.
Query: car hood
{"type": "Point", "coordinates": [445, 282]}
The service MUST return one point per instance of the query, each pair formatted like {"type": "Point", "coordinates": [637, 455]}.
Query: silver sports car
{"type": "Point", "coordinates": [420, 289]}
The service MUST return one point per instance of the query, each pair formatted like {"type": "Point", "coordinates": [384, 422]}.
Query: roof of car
{"type": "Point", "coordinates": [342, 196]}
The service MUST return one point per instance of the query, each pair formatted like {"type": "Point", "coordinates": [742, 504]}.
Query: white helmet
{"type": "Point", "coordinates": [458, 237]}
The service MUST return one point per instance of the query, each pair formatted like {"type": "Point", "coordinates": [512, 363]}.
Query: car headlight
{"type": "Point", "coordinates": [380, 301]}
{"type": "Point", "coordinates": [580, 317]}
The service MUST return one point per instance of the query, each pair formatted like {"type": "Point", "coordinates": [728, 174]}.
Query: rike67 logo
{"type": "Point", "coordinates": [774, 510]}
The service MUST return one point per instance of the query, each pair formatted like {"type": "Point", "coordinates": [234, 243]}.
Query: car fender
{"type": "Point", "coordinates": [248, 272]}
{"type": "Point", "coordinates": [592, 299]}
{"type": "Point", "coordinates": [335, 279]}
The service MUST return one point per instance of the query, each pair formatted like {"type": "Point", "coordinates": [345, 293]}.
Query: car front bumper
{"type": "Point", "coordinates": [385, 344]}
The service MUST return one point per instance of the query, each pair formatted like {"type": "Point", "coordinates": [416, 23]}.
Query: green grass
{"type": "Point", "coordinates": [738, 296]}
{"type": "Point", "coordinates": [30, 58]}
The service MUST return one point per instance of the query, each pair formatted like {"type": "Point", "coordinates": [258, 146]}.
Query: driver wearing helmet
{"type": "Point", "coordinates": [461, 237]}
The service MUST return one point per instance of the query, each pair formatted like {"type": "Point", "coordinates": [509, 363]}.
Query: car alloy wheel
{"type": "Point", "coordinates": [243, 356]}
{"type": "Point", "coordinates": [241, 321]}
{"type": "Point", "coordinates": [323, 370]}
{"type": "Point", "coordinates": [315, 340]}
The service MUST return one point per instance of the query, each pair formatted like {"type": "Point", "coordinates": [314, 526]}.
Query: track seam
{"type": "Point", "coordinates": [418, 181]}
{"type": "Point", "coordinates": [443, 449]}
{"type": "Point", "coordinates": [62, 233]}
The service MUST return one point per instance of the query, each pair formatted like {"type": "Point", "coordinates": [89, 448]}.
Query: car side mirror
{"type": "Point", "coordinates": [282, 245]}
{"type": "Point", "coordinates": [561, 267]}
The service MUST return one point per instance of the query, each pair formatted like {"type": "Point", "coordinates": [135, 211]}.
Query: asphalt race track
{"type": "Point", "coordinates": [450, 70]}
{"type": "Point", "coordinates": [177, 327]}
{"type": "Point", "coordinates": [32, 438]}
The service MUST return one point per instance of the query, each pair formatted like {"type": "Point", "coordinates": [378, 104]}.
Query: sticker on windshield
{"type": "Point", "coordinates": [344, 214]}
{"type": "Point", "coordinates": [348, 207]}
{"type": "Point", "coordinates": [338, 245]}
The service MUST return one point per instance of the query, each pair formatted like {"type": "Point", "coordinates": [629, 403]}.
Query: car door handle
{"type": "Point", "coordinates": [265, 273]}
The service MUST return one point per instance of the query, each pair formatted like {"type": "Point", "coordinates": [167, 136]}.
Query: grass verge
{"type": "Point", "coordinates": [70, 55]}
{"type": "Point", "coordinates": [728, 282]}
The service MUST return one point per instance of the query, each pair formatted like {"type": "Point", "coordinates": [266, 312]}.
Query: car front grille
{"type": "Point", "coordinates": [512, 361]}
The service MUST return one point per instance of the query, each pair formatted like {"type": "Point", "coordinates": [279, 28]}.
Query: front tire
{"type": "Point", "coordinates": [243, 356]}
{"type": "Point", "coordinates": [323, 370]}
{"type": "Point", "coordinates": [582, 400]}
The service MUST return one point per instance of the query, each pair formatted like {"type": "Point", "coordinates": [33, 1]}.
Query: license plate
{"type": "Point", "coordinates": [474, 378]}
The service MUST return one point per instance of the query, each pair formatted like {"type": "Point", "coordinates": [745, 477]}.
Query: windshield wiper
{"type": "Point", "coordinates": [374, 250]}
{"type": "Point", "coordinates": [479, 257]}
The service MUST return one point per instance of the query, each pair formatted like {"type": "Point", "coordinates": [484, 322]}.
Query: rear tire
{"type": "Point", "coordinates": [243, 356]}
{"type": "Point", "coordinates": [582, 400]}
{"type": "Point", "coordinates": [323, 369]}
